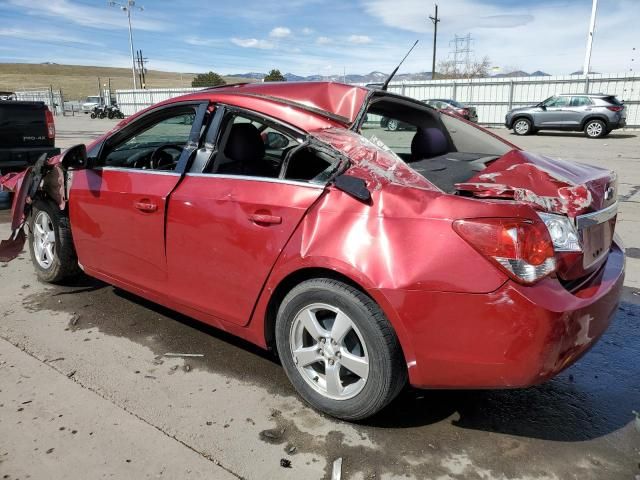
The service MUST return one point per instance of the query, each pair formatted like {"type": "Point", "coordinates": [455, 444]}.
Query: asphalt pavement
{"type": "Point", "coordinates": [91, 359]}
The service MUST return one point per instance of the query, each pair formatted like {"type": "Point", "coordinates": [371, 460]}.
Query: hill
{"type": "Point", "coordinates": [78, 81]}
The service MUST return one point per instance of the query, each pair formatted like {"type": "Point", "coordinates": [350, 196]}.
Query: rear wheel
{"type": "Point", "coordinates": [51, 244]}
{"type": "Point", "coordinates": [338, 349]}
{"type": "Point", "coordinates": [595, 129]}
{"type": "Point", "coordinates": [522, 126]}
{"type": "Point", "coordinates": [393, 125]}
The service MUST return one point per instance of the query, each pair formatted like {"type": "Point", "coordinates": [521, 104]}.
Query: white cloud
{"type": "Point", "coordinates": [307, 31]}
{"type": "Point", "coordinates": [102, 17]}
{"type": "Point", "coordinates": [280, 32]}
{"type": "Point", "coordinates": [252, 43]}
{"type": "Point", "coordinates": [360, 39]}
{"type": "Point", "coordinates": [204, 42]}
{"type": "Point", "coordinates": [324, 41]}
{"type": "Point", "coordinates": [53, 36]}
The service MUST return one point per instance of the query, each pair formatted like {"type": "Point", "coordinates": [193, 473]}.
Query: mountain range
{"type": "Point", "coordinates": [374, 77]}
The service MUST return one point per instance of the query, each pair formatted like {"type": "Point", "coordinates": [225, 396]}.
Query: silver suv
{"type": "Point", "coordinates": [595, 114]}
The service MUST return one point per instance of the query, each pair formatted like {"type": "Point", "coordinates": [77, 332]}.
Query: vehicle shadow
{"type": "Point", "coordinates": [611, 136]}
{"type": "Point", "coordinates": [594, 397]}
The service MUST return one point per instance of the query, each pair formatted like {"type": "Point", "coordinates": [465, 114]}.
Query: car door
{"type": "Point", "coordinates": [555, 112]}
{"type": "Point", "coordinates": [226, 230]}
{"type": "Point", "coordinates": [117, 207]}
{"type": "Point", "coordinates": [578, 108]}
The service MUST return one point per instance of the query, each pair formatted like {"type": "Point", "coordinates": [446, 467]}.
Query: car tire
{"type": "Point", "coordinates": [522, 126]}
{"type": "Point", "coordinates": [51, 243]}
{"type": "Point", "coordinates": [369, 339]}
{"type": "Point", "coordinates": [595, 129]}
{"type": "Point", "coordinates": [393, 125]}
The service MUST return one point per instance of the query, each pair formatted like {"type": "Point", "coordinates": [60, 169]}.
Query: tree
{"type": "Point", "coordinates": [275, 76]}
{"type": "Point", "coordinates": [476, 69]}
{"type": "Point", "coordinates": [210, 79]}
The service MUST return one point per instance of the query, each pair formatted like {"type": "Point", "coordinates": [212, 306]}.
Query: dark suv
{"type": "Point", "coordinates": [595, 114]}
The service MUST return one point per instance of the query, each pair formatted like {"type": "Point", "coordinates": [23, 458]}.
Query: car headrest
{"type": "Point", "coordinates": [244, 144]}
{"type": "Point", "coordinates": [428, 143]}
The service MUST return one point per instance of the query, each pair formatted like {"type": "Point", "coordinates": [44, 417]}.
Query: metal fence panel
{"type": "Point", "coordinates": [52, 98]}
{"type": "Point", "coordinates": [493, 97]}
{"type": "Point", "coordinates": [132, 101]}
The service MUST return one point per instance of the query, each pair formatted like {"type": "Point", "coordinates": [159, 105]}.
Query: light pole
{"type": "Point", "coordinates": [127, 7]}
{"type": "Point", "coordinates": [592, 27]}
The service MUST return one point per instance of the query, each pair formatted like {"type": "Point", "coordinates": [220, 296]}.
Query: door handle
{"type": "Point", "coordinates": [146, 206]}
{"type": "Point", "coordinates": [265, 219]}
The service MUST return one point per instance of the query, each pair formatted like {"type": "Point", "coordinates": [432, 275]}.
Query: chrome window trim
{"type": "Point", "coordinates": [596, 218]}
{"type": "Point", "coordinates": [137, 170]}
{"type": "Point", "coordinates": [259, 179]}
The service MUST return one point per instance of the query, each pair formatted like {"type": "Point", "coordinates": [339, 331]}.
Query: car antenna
{"type": "Point", "coordinates": [386, 82]}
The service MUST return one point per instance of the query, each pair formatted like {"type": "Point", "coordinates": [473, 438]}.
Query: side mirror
{"type": "Point", "coordinates": [75, 158]}
{"type": "Point", "coordinates": [354, 186]}
{"type": "Point", "coordinates": [543, 107]}
{"type": "Point", "coordinates": [275, 140]}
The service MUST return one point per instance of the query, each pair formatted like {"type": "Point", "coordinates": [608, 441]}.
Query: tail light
{"type": "Point", "coordinates": [616, 108]}
{"type": "Point", "coordinates": [520, 247]}
{"type": "Point", "coordinates": [51, 126]}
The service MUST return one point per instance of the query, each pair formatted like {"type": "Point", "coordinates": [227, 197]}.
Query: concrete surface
{"type": "Point", "coordinates": [100, 351]}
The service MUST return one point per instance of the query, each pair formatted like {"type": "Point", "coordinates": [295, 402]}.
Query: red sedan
{"type": "Point", "coordinates": [441, 256]}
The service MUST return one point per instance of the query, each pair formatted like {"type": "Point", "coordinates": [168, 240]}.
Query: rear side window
{"type": "Point", "coordinates": [580, 101]}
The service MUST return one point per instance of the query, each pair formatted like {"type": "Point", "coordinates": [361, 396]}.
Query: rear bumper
{"type": "Point", "coordinates": [12, 159]}
{"type": "Point", "coordinates": [516, 336]}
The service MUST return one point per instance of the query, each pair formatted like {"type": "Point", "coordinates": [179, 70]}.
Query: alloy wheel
{"type": "Point", "coordinates": [392, 125]}
{"type": "Point", "coordinates": [329, 351]}
{"type": "Point", "coordinates": [44, 240]}
{"type": "Point", "coordinates": [522, 127]}
{"type": "Point", "coordinates": [594, 129]}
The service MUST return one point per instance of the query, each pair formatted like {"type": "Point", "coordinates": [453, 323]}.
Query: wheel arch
{"type": "Point", "coordinates": [600, 117]}
{"type": "Point", "coordinates": [287, 284]}
{"type": "Point", "coordinates": [518, 116]}
{"type": "Point", "coordinates": [294, 278]}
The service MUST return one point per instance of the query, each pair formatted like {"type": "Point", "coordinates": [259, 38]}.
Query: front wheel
{"type": "Point", "coordinates": [93, 115]}
{"type": "Point", "coordinates": [522, 126]}
{"type": "Point", "coordinates": [338, 349]}
{"type": "Point", "coordinates": [393, 125]}
{"type": "Point", "coordinates": [595, 129]}
{"type": "Point", "coordinates": [51, 244]}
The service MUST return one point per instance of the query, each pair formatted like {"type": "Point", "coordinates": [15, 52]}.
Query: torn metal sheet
{"type": "Point", "coordinates": [11, 248]}
{"type": "Point", "coordinates": [551, 185]}
{"type": "Point", "coordinates": [372, 161]}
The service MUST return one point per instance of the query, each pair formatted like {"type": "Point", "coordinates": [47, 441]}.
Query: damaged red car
{"type": "Point", "coordinates": [441, 256]}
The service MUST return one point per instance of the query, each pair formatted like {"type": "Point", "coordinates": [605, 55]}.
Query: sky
{"type": "Point", "coordinates": [325, 37]}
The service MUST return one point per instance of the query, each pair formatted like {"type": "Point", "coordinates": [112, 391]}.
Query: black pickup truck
{"type": "Point", "coordinates": [27, 130]}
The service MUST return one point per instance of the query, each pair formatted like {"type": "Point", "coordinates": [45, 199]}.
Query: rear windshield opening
{"type": "Point", "coordinates": [442, 148]}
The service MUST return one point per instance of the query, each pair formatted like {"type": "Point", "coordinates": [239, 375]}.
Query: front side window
{"type": "Point", "coordinates": [155, 146]}
{"type": "Point", "coordinates": [556, 102]}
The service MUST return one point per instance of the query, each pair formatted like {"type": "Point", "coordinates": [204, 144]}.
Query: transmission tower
{"type": "Point", "coordinates": [461, 51]}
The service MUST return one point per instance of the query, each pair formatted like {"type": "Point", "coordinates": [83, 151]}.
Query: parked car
{"type": "Point", "coordinates": [449, 106]}
{"type": "Point", "coordinates": [27, 130]}
{"type": "Point", "coordinates": [456, 108]}
{"type": "Point", "coordinates": [594, 114]}
{"type": "Point", "coordinates": [449, 259]}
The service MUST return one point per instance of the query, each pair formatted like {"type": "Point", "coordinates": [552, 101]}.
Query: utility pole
{"type": "Point", "coordinates": [592, 27]}
{"type": "Point", "coordinates": [435, 21]}
{"type": "Point", "coordinates": [127, 7]}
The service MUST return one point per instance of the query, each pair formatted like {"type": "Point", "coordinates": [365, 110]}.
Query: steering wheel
{"type": "Point", "coordinates": [162, 160]}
